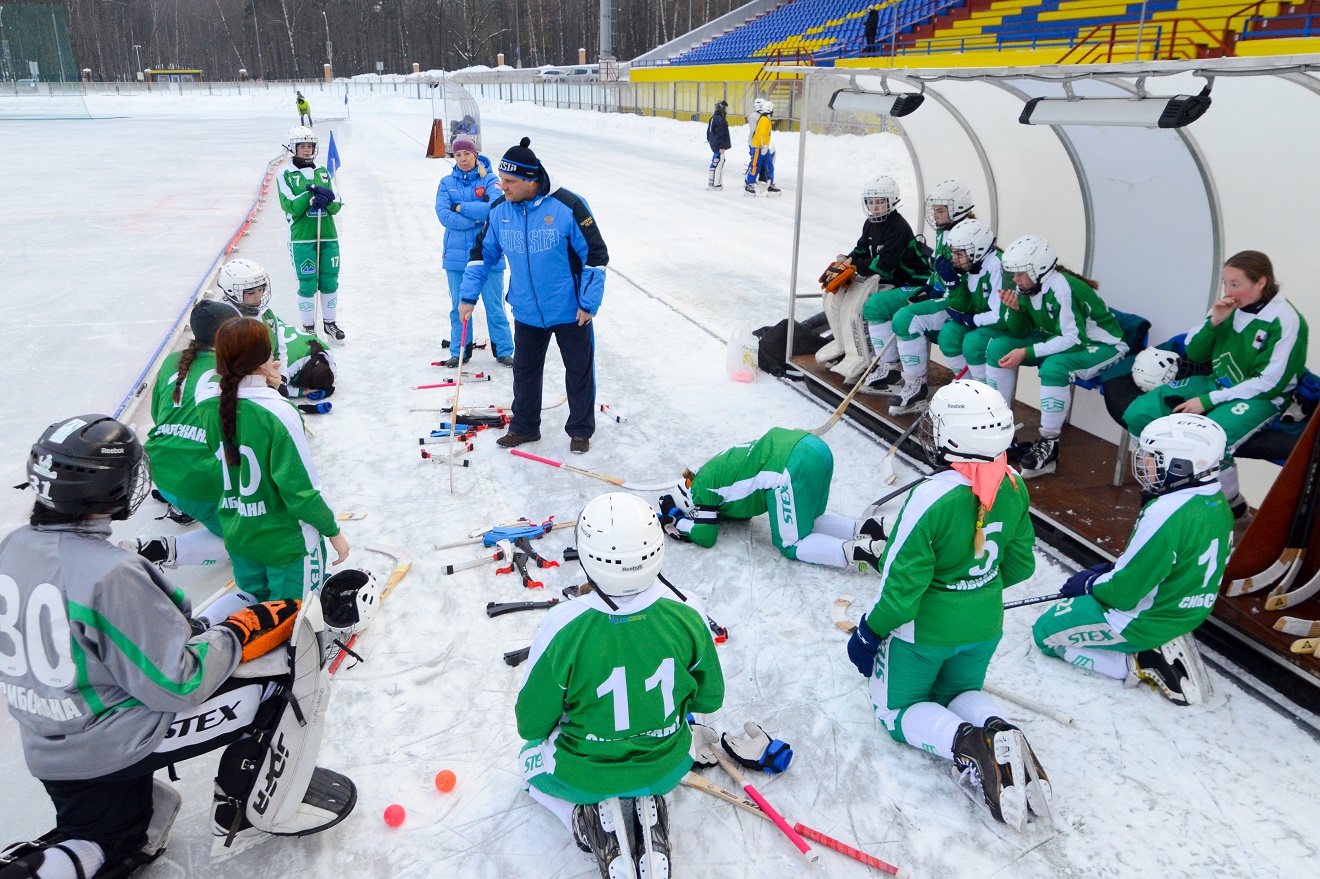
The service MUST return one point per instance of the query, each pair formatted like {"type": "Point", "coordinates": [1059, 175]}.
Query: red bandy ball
{"type": "Point", "coordinates": [445, 781]}
{"type": "Point", "coordinates": [394, 815]}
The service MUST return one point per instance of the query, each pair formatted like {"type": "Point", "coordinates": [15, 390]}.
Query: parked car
{"type": "Point", "coordinates": [550, 73]}
{"type": "Point", "coordinates": [580, 73]}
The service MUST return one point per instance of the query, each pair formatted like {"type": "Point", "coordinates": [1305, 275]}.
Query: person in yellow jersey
{"type": "Point", "coordinates": [761, 164]}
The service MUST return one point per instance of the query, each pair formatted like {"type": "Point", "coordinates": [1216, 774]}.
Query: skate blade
{"type": "Point", "coordinates": [650, 863]}
{"type": "Point", "coordinates": [1043, 471]}
{"type": "Point", "coordinates": [243, 840]}
{"type": "Point", "coordinates": [1010, 747]}
{"type": "Point", "coordinates": [613, 820]}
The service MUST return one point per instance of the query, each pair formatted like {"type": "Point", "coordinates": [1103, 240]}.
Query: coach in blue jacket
{"type": "Point", "coordinates": [556, 280]}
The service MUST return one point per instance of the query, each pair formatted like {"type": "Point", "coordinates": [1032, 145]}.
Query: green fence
{"type": "Point", "coordinates": [34, 43]}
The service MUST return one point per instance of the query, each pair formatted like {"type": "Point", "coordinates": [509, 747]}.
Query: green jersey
{"type": "Point", "coordinates": [306, 224]}
{"type": "Point", "coordinates": [1066, 310]}
{"type": "Point", "coordinates": [978, 294]}
{"type": "Point", "coordinates": [934, 590]}
{"type": "Point", "coordinates": [1166, 581]}
{"type": "Point", "coordinates": [1254, 356]}
{"type": "Point", "coordinates": [734, 483]}
{"type": "Point", "coordinates": [181, 461]}
{"type": "Point", "coordinates": [275, 488]}
{"type": "Point", "coordinates": [292, 347]}
{"type": "Point", "coordinates": [609, 689]}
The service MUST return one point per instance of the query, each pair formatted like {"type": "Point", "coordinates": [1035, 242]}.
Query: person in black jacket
{"type": "Point", "coordinates": [717, 135]}
{"type": "Point", "coordinates": [872, 24]}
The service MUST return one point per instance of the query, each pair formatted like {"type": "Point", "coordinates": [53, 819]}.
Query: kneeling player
{"type": "Point", "coordinates": [117, 682]}
{"type": "Point", "coordinates": [787, 473]}
{"type": "Point", "coordinates": [963, 536]}
{"type": "Point", "coordinates": [610, 678]}
{"type": "Point", "coordinates": [1133, 620]}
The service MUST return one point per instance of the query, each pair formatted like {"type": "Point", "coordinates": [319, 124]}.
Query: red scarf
{"type": "Point", "coordinates": [986, 477]}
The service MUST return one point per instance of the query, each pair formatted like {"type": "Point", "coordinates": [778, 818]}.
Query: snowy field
{"type": "Point", "coordinates": [116, 220]}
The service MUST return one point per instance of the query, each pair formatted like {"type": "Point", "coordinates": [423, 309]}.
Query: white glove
{"type": "Point", "coordinates": [224, 607]}
{"type": "Point", "coordinates": [704, 742]}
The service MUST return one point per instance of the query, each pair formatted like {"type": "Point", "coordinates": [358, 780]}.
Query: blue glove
{"type": "Point", "coordinates": [318, 202]}
{"type": "Point", "coordinates": [961, 317]}
{"type": "Point", "coordinates": [756, 750]}
{"type": "Point", "coordinates": [921, 294]}
{"type": "Point", "coordinates": [316, 408]}
{"type": "Point", "coordinates": [948, 274]}
{"type": "Point", "coordinates": [669, 507]}
{"type": "Point", "coordinates": [324, 191]}
{"type": "Point", "coordinates": [319, 394]}
{"type": "Point", "coordinates": [1080, 584]}
{"type": "Point", "coordinates": [863, 646]}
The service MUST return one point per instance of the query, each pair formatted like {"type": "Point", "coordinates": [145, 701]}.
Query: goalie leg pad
{"type": "Point", "coordinates": [833, 349]}
{"type": "Point", "coordinates": [857, 349]}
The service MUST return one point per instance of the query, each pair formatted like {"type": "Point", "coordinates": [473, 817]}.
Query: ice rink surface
{"type": "Point", "coordinates": [116, 221]}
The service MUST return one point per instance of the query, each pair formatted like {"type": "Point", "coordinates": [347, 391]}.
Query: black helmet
{"type": "Point", "coordinates": [88, 465]}
{"type": "Point", "coordinates": [207, 316]}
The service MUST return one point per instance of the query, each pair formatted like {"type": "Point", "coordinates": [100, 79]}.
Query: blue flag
{"type": "Point", "coordinates": [332, 161]}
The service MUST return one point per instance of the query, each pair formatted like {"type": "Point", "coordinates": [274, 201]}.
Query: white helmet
{"type": "Point", "coordinates": [973, 238]}
{"type": "Point", "coordinates": [967, 421]}
{"type": "Point", "coordinates": [955, 197]}
{"type": "Point", "coordinates": [349, 601]}
{"type": "Point", "coordinates": [1153, 367]}
{"type": "Point", "coordinates": [879, 197]}
{"type": "Point", "coordinates": [764, 106]}
{"type": "Point", "coordinates": [301, 134]}
{"type": "Point", "coordinates": [620, 544]}
{"type": "Point", "coordinates": [238, 277]}
{"type": "Point", "coordinates": [683, 495]}
{"type": "Point", "coordinates": [1178, 450]}
{"type": "Point", "coordinates": [1031, 254]}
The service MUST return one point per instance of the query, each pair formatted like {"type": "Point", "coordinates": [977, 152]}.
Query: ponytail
{"type": "Point", "coordinates": [242, 347]}
{"type": "Point", "coordinates": [229, 417]}
{"type": "Point", "coordinates": [185, 364]}
{"type": "Point", "coordinates": [1094, 285]}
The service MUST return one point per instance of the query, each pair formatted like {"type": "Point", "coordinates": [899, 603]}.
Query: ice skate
{"type": "Point", "coordinates": [1039, 793]}
{"type": "Point", "coordinates": [910, 398]}
{"type": "Point", "coordinates": [1175, 669]}
{"type": "Point", "coordinates": [990, 761]}
{"type": "Point", "coordinates": [773, 190]}
{"type": "Point", "coordinates": [862, 552]}
{"type": "Point", "coordinates": [883, 378]}
{"type": "Point", "coordinates": [653, 838]}
{"type": "Point", "coordinates": [607, 828]}
{"type": "Point", "coordinates": [1041, 458]}
{"type": "Point", "coordinates": [160, 551]}
{"type": "Point", "coordinates": [749, 190]}
{"type": "Point", "coordinates": [332, 330]}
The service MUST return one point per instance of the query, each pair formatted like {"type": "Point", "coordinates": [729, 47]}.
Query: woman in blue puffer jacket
{"type": "Point", "coordinates": [462, 202]}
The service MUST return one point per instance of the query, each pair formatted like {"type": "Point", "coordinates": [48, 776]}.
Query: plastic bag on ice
{"type": "Point", "coordinates": [740, 357]}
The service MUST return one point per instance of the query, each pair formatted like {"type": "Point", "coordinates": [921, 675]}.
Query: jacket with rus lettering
{"type": "Point", "coordinates": [96, 652]}
{"type": "Point", "coordinates": [556, 256]}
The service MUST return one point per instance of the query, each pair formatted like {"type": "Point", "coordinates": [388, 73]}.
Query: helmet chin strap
{"type": "Point", "coordinates": [601, 592]}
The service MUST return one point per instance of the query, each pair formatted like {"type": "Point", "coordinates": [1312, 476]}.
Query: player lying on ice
{"type": "Point", "coordinates": [1133, 620]}
{"type": "Point", "coordinates": [962, 537]}
{"type": "Point", "coordinates": [785, 472]}
{"type": "Point", "coordinates": [110, 680]}
{"type": "Point", "coordinates": [610, 679]}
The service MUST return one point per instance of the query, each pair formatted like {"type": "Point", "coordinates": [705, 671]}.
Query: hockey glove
{"type": "Point", "coordinates": [318, 202]}
{"type": "Point", "coordinates": [704, 742]}
{"type": "Point", "coordinates": [320, 393]}
{"type": "Point", "coordinates": [948, 274]}
{"type": "Point", "coordinates": [863, 646]}
{"type": "Point", "coordinates": [324, 191]}
{"type": "Point", "coordinates": [669, 524]}
{"type": "Point", "coordinates": [670, 507]}
{"type": "Point", "coordinates": [1080, 584]}
{"type": "Point", "coordinates": [926, 291]}
{"type": "Point", "coordinates": [757, 750]}
{"type": "Point", "coordinates": [961, 317]}
{"type": "Point", "coordinates": [263, 627]}
{"type": "Point", "coordinates": [837, 276]}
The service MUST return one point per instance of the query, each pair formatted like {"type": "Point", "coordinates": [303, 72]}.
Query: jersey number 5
{"type": "Point", "coordinates": [46, 603]}
{"type": "Point", "coordinates": [617, 685]}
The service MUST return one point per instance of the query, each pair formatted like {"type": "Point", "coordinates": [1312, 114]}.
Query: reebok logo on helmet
{"type": "Point", "coordinates": [112, 451]}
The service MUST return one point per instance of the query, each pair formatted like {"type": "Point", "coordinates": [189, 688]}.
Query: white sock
{"type": "Point", "coordinates": [329, 306]}
{"type": "Point", "coordinates": [199, 547]}
{"type": "Point", "coordinates": [1004, 380]}
{"type": "Point", "coordinates": [307, 309]}
{"type": "Point", "coordinates": [931, 728]}
{"type": "Point", "coordinates": [977, 372]}
{"type": "Point", "coordinates": [958, 363]}
{"type": "Point", "coordinates": [1053, 410]}
{"type": "Point", "coordinates": [1228, 481]}
{"type": "Point", "coordinates": [880, 334]}
{"type": "Point", "coordinates": [58, 865]}
{"type": "Point", "coordinates": [913, 355]}
{"type": "Point", "coordinates": [975, 707]}
{"type": "Point", "coordinates": [835, 526]}
{"type": "Point", "coordinates": [1110, 663]}
{"type": "Point", "coordinates": [561, 809]}
{"type": "Point", "coordinates": [821, 549]}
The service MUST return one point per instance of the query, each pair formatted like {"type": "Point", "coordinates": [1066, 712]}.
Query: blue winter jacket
{"type": "Point", "coordinates": [556, 256]}
{"type": "Point", "coordinates": [474, 194]}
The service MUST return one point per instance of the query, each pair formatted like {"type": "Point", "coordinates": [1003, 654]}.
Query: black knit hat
{"type": "Point", "coordinates": [520, 161]}
{"type": "Point", "coordinates": [207, 316]}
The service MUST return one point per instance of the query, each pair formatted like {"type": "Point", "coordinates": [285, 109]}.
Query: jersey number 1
{"type": "Point", "coordinates": [617, 685]}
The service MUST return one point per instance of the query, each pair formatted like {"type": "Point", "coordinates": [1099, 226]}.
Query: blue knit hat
{"type": "Point", "coordinates": [520, 161]}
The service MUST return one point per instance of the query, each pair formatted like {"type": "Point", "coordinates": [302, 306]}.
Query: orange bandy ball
{"type": "Point", "coordinates": [445, 781]}
{"type": "Point", "coordinates": [394, 815]}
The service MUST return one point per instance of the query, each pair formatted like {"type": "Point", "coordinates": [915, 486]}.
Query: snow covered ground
{"type": "Point", "coordinates": [1142, 788]}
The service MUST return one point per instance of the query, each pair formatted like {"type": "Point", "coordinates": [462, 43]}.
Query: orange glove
{"type": "Point", "coordinates": [837, 276]}
{"type": "Point", "coordinates": [263, 627]}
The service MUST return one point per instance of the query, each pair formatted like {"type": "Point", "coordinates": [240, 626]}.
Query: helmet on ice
{"type": "Point", "coordinates": [349, 601]}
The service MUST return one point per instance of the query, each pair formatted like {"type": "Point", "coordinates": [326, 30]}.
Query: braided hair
{"type": "Point", "coordinates": [185, 363]}
{"type": "Point", "coordinates": [242, 347]}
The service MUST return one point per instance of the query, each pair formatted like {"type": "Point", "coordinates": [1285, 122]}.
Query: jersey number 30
{"type": "Point", "coordinates": [51, 663]}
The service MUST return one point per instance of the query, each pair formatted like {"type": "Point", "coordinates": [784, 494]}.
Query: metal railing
{"type": "Point", "coordinates": [1274, 26]}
